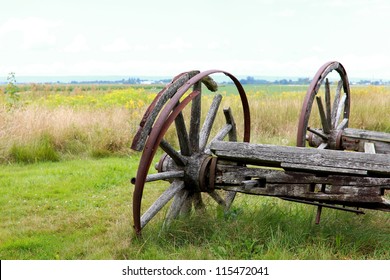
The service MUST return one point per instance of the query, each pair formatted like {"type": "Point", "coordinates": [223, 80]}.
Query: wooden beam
{"type": "Point", "coordinates": [275, 156]}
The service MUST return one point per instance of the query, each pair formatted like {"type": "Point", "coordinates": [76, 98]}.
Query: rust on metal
{"type": "Point", "coordinates": [203, 174]}
{"type": "Point", "coordinates": [213, 168]}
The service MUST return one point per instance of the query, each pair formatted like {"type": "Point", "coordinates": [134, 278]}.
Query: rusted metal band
{"type": "Point", "coordinates": [203, 184]}
{"type": "Point", "coordinates": [161, 163]}
{"type": "Point", "coordinates": [213, 168]}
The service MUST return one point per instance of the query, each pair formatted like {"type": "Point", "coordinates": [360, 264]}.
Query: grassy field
{"type": "Point", "coordinates": [65, 191]}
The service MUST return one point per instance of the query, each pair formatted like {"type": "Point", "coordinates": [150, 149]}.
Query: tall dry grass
{"type": "Point", "coordinates": [72, 131]}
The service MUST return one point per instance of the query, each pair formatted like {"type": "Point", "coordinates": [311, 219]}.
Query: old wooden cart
{"type": "Point", "coordinates": [325, 177]}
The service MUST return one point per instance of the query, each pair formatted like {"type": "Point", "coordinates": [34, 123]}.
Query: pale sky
{"type": "Point", "coordinates": [167, 37]}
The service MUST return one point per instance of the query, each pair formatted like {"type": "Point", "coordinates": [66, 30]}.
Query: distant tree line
{"type": "Point", "coordinates": [129, 81]}
{"type": "Point", "coordinates": [301, 81]}
{"type": "Point", "coordinates": [252, 81]}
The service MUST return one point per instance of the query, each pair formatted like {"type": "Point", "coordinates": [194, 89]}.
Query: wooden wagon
{"type": "Point", "coordinates": [328, 175]}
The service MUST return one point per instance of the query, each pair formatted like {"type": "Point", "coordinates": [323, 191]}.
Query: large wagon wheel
{"type": "Point", "coordinates": [186, 164]}
{"type": "Point", "coordinates": [322, 128]}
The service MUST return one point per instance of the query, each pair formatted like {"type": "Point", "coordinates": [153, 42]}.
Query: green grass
{"type": "Point", "coordinates": [67, 210]}
{"type": "Point", "coordinates": [65, 168]}
{"type": "Point", "coordinates": [81, 209]}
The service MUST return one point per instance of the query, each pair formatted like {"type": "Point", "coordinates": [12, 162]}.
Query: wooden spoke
{"type": "Point", "coordinates": [323, 146]}
{"type": "Point", "coordinates": [343, 124]}
{"type": "Point", "coordinates": [327, 104]}
{"type": "Point", "coordinates": [336, 103]}
{"type": "Point", "coordinates": [340, 109]}
{"type": "Point", "coordinates": [318, 133]}
{"type": "Point", "coordinates": [195, 119]}
{"type": "Point", "coordinates": [166, 196]}
{"type": "Point", "coordinates": [198, 201]}
{"type": "Point", "coordinates": [323, 117]}
{"type": "Point", "coordinates": [220, 136]}
{"type": "Point", "coordinates": [229, 198]}
{"type": "Point", "coordinates": [217, 198]}
{"type": "Point", "coordinates": [209, 121]}
{"type": "Point", "coordinates": [193, 199]}
{"type": "Point", "coordinates": [230, 120]}
{"type": "Point", "coordinates": [176, 205]}
{"type": "Point", "coordinates": [223, 132]}
{"type": "Point", "coordinates": [177, 157]}
{"type": "Point", "coordinates": [187, 205]}
{"type": "Point", "coordinates": [182, 135]}
{"type": "Point", "coordinates": [165, 175]}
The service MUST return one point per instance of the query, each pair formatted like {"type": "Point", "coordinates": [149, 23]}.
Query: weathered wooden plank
{"type": "Point", "coordinates": [274, 156]}
{"type": "Point", "coordinates": [234, 175]}
{"type": "Point", "coordinates": [367, 134]}
{"type": "Point", "coordinates": [173, 189]}
{"type": "Point", "coordinates": [321, 169]}
{"type": "Point", "coordinates": [301, 191]}
{"type": "Point", "coordinates": [381, 140]}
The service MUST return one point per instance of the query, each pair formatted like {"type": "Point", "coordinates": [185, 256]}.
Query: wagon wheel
{"type": "Point", "coordinates": [186, 163]}
{"type": "Point", "coordinates": [321, 126]}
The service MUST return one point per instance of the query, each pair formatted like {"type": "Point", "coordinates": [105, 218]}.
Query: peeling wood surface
{"type": "Point", "coordinates": [306, 159]}
{"type": "Point", "coordinates": [234, 175]}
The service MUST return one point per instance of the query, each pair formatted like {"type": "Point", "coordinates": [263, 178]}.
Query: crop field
{"type": "Point", "coordinates": [66, 165]}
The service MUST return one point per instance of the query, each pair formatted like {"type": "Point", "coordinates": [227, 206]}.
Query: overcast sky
{"type": "Point", "coordinates": [166, 37]}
